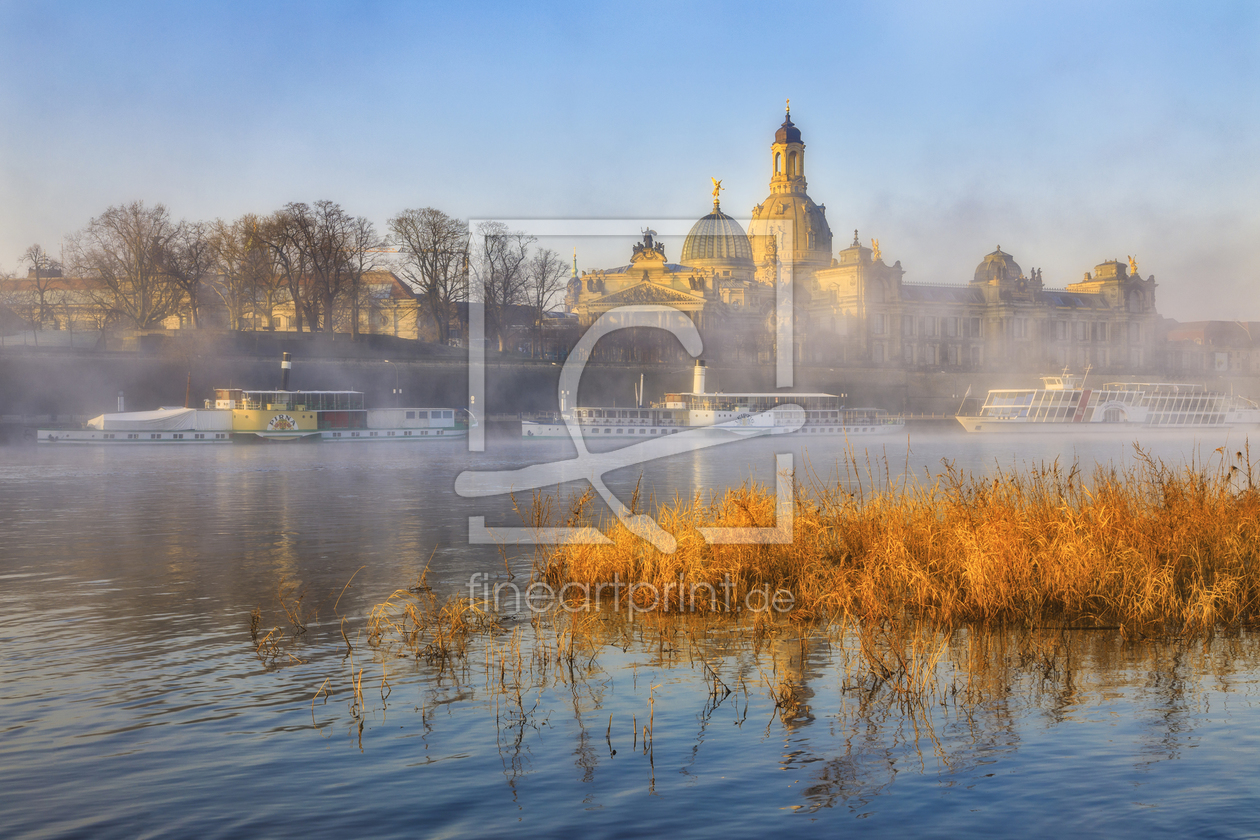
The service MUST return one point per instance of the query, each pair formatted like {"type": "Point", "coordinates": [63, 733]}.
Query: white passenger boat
{"type": "Point", "coordinates": [1065, 405]}
{"type": "Point", "coordinates": [748, 414]}
{"type": "Point", "coordinates": [238, 415]}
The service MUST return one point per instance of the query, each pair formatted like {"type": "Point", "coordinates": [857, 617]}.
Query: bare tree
{"type": "Point", "coordinates": [360, 249]}
{"type": "Point", "coordinates": [125, 250]}
{"type": "Point", "coordinates": [283, 238]}
{"type": "Point", "coordinates": [230, 243]}
{"type": "Point", "coordinates": [325, 236]}
{"type": "Point", "coordinates": [189, 260]}
{"type": "Point", "coordinates": [43, 274]}
{"type": "Point", "coordinates": [434, 260]}
{"type": "Point", "coordinates": [498, 266]}
{"type": "Point", "coordinates": [250, 278]}
{"type": "Point", "coordinates": [544, 279]}
{"type": "Point", "coordinates": [265, 274]}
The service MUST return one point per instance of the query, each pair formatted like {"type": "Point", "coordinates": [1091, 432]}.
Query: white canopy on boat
{"type": "Point", "coordinates": [164, 420]}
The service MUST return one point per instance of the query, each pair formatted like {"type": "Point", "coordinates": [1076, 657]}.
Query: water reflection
{"type": "Point", "coordinates": [134, 686]}
{"type": "Point", "coordinates": [692, 697]}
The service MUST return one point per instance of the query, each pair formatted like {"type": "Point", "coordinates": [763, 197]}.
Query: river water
{"type": "Point", "coordinates": [135, 700]}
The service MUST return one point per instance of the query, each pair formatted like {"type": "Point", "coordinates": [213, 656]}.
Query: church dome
{"type": "Point", "coordinates": [716, 238]}
{"type": "Point", "coordinates": [998, 266]}
{"type": "Point", "coordinates": [810, 243]}
{"type": "Point", "coordinates": [788, 132]}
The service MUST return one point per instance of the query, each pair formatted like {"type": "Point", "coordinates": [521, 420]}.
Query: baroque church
{"type": "Point", "coordinates": [851, 308]}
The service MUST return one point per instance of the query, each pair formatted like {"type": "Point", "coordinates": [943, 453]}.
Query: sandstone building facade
{"type": "Point", "coordinates": [851, 307]}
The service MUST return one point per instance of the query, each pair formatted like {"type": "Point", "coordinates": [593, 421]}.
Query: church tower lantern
{"type": "Point", "coordinates": [788, 158]}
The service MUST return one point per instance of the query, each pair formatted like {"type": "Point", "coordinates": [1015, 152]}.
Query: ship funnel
{"type": "Point", "coordinates": [286, 365]}
{"type": "Point", "coordinates": [697, 377]}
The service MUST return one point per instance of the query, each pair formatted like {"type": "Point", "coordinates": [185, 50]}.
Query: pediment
{"type": "Point", "coordinates": [648, 293]}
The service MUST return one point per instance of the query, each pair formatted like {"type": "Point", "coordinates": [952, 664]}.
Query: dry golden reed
{"type": "Point", "coordinates": [1148, 548]}
{"type": "Point", "coordinates": [426, 628]}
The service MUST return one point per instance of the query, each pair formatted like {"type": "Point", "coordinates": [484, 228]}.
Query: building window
{"type": "Point", "coordinates": [879, 324]}
{"type": "Point", "coordinates": [778, 163]}
{"type": "Point", "coordinates": [907, 325]}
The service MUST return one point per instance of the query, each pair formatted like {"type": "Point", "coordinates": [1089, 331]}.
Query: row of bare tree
{"type": "Point", "coordinates": [137, 266]}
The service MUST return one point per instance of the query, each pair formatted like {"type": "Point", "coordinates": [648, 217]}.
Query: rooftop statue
{"type": "Point", "coordinates": [717, 188]}
{"type": "Point", "coordinates": [875, 256]}
{"type": "Point", "coordinates": [650, 248]}
{"type": "Point", "coordinates": [1133, 266]}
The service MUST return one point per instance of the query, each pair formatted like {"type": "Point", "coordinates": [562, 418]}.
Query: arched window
{"type": "Point", "coordinates": [1135, 301]}
{"type": "Point", "coordinates": [792, 170]}
{"type": "Point", "coordinates": [778, 163]}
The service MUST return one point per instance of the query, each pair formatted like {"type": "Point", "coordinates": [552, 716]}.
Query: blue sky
{"type": "Point", "coordinates": [1068, 133]}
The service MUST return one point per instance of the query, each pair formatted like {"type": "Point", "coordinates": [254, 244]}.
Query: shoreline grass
{"type": "Point", "coordinates": [1149, 549]}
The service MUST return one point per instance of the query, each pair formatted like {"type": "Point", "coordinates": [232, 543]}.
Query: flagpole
{"type": "Point", "coordinates": [964, 399]}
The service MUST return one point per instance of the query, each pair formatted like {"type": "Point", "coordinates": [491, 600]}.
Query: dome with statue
{"type": "Point", "coordinates": [717, 240]}
{"type": "Point", "coordinates": [998, 267]}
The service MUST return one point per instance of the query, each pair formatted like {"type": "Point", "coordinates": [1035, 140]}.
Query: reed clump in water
{"type": "Point", "coordinates": [1148, 548]}
{"type": "Point", "coordinates": [416, 624]}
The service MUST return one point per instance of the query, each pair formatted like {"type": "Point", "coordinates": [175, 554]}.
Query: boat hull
{"type": "Point", "coordinates": [190, 437]}
{"type": "Point", "coordinates": [533, 430]}
{"type": "Point", "coordinates": [989, 425]}
{"type": "Point", "coordinates": [393, 435]}
{"type": "Point", "coordinates": [93, 437]}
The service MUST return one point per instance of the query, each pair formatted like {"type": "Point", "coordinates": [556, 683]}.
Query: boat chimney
{"type": "Point", "coordinates": [286, 364]}
{"type": "Point", "coordinates": [697, 377]}
{"type": "Point", "coordinates": [121, 403]}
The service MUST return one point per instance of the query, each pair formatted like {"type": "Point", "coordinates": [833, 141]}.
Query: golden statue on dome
{"type": "Point", "coordinates": [717, 188]}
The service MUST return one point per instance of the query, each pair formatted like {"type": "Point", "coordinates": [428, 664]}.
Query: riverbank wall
{"type": "Point", "coordinates": [62, 383]}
